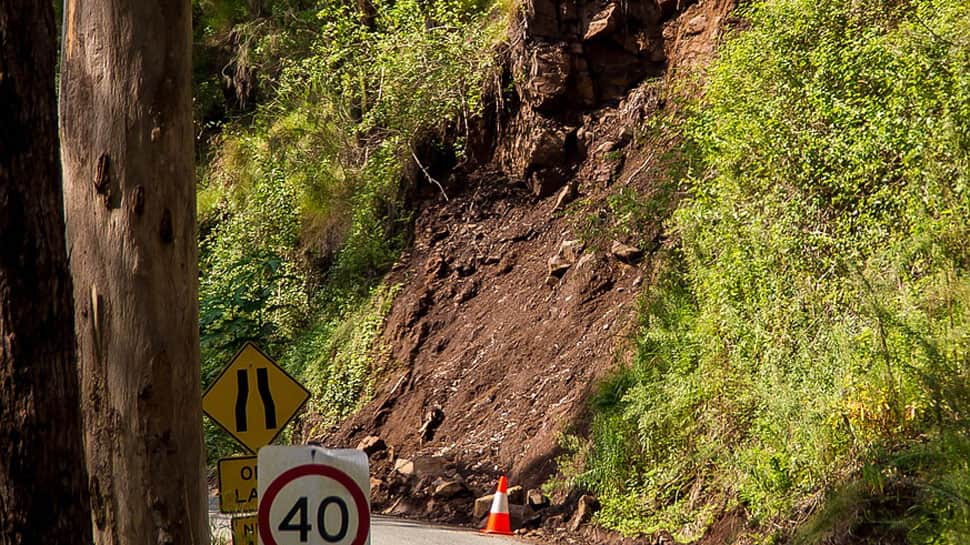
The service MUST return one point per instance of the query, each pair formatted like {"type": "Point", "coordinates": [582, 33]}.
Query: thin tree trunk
{"type": "Point", "coordinates": [126, 129]}
{"type": "Point", "coordinates": [43, 483]}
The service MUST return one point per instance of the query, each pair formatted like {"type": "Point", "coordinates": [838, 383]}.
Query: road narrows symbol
{"type": "Point", "coordinates": [265, 394]}
{"type": "Point", "coordinates": [269, 408]}
{"type": "Point", "coordinates": [242, 396]}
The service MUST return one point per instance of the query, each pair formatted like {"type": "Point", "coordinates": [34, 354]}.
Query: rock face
{"type": "Point", "coordinates": [575, 56]}
{"type": "Point", "coordinates": [580, 54]}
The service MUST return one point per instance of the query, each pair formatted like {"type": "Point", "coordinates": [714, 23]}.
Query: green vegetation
{"type": "Point", "coordinates": [806, 347]}
{"type": "Point", "coordinates": [302, 198]}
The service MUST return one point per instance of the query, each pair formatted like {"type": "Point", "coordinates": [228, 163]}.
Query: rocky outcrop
{"type": "Point", "coordinates": [567, 57]}
{"type": "Point", "coordinates": [581, 54]}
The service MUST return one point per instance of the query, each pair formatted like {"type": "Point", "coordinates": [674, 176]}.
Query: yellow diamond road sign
{"type": "Point", "coordinates": [253, 398]}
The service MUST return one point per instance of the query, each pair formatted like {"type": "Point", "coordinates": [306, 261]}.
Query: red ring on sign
{"type": "Point", "coordinates": [363, 525]}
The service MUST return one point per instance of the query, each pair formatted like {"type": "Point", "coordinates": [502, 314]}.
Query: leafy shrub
{"type": "Point", "coordinates": [301, 206]}
{"type": "Point", "coordinates": [339, 358]}
{"type": "Point", "coordinates": [815, 313]}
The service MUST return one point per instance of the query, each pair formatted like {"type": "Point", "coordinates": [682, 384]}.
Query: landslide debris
{"type": "Point", "coordinates": [508, 315]}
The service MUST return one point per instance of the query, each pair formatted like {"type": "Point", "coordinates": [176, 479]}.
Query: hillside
{"type": "Point", "coordinates": [512, 305]}
{"type": "Point", "coordinates": [705, 262]}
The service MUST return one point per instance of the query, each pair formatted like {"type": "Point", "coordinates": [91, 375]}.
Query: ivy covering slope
{"type": "Point", "coordinates": [806, 350]}
{"type": "Point", "coordinates": [301, 203]}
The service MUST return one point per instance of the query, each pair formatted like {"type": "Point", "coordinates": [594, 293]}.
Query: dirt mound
{"type": "Point", "coordinates": [508, 316]}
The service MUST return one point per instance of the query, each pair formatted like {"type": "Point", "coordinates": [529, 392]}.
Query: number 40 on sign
{"type": "Point", "coordinates": [311, 495]}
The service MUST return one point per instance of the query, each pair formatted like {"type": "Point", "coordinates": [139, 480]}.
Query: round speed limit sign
{"type": "Point", "coordinates": [313, 496]}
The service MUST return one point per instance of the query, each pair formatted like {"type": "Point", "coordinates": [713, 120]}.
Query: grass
{"type": "Point", "coordinates": [811, 328]}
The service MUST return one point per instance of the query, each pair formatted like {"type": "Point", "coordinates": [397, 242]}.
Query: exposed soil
{"type": "Point", "coordinates": [483, 334]}
{"type": "Point", "coordinates": [508, 314]}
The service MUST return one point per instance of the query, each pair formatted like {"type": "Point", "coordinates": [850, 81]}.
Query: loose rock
{"type": "Point", "coordinates": [482, 505]}
{"type": "Point", "coordinates": [448, 489]}
{"type": "Point", "coordinates": [522, 515]}
{"type": "Point", "coordinates": [536, 499]}
{"type": "Point", "coordinates": [404, 467]}
{"type": "Point", "coordinates": [516, 495]}
{"type": "Point", "coordinates": [569, 252]}
{"type": "Point", "coordinates": [567, 194]}
{"type": "Point", "coordinates": [696, 25]}
{"type": "Point", "coordinates": [432, 420]}
{"type": "Point", "coordinates": [625, 252]}
{"type": "Point", "coordinates": [585, 508]}
{"type": "Point", "coordinates": [558, 266]}
{"type": "Point", "coordinates": [371, 445]}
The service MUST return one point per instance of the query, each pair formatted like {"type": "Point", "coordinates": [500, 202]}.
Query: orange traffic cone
{"type": "Point", "coordinates": [498, 517]}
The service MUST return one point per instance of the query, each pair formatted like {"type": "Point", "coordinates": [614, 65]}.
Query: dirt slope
{"type": "Point", "coordinates": [489, 356]}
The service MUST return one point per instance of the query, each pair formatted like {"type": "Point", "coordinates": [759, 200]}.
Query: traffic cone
{"type": "Point", "coordinates": [498, 517]}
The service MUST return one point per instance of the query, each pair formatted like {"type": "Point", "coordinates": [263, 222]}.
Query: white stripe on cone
{"type": "Point", "coordinates": [500, 503]}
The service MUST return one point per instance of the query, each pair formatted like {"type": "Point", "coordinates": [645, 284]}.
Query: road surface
{"type": "Point", "coordinates": [385, 531]}
{"type": "Point", "coordinates": [393, 531]}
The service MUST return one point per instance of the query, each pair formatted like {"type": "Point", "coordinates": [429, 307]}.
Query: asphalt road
{"type": "Point", "coordinates": [393, 531]}
{"type": "Point", "coordinates": [386, 531]}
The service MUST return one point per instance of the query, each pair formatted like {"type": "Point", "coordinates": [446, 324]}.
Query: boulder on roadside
{"type": "Point", "coordinates": [536, 499]}
{"type": "Point", "coordinates": [522, 515]}
{"type": "Point", "coordinates": [404, 507]}
{"type": "Point", "coordinates": [516, 495]}
{"type": "Point", "coordinates": [519, 516]}
{"type": "Point", "coordinates": [448, 488]}
{"type": "Point", "coordinates": [585, 508]}
{"type": "Point", "coordinates": [482, 506]}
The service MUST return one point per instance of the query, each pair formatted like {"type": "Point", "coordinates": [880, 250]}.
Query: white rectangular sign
{"type": "Point", "coordinates": [310, 495]}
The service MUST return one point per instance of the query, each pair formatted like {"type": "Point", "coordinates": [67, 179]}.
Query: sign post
{"type": "Point", "coordinates": [312, 495]}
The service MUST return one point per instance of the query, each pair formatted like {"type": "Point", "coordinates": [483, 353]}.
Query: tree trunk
{"type": "Point", "coordinates": [43, 483]}
{"type": "Point", "coordinates": [126, 129]}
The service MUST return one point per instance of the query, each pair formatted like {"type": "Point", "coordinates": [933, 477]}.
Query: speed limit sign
{"type": "Point", "coordinates": [313, 496]}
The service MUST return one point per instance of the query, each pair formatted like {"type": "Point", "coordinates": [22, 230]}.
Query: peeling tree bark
{"type": "Point", "coordinates": [126, 128]}
{"type": "Point", "coordinates": [43, 483]}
